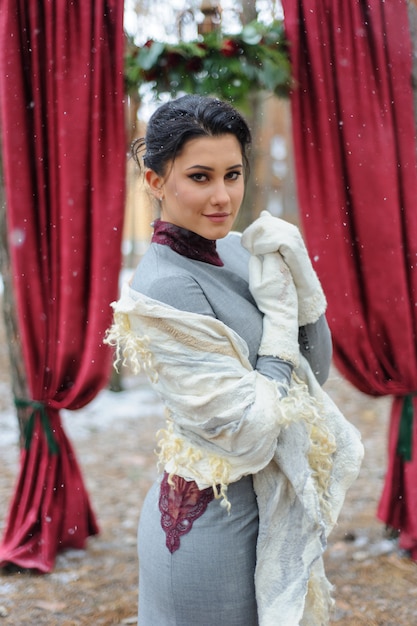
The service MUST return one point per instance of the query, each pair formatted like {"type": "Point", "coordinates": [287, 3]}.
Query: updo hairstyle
{"type": "Point", "coordinates": [176, 122]}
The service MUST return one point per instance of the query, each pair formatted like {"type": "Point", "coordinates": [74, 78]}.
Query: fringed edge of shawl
{"type": "Point", "coordinates": [130, 349]}
{"type": "Point", "coordinates": [319, 601]}
{"type": "Point", "coordinates": [174, 449]}
{"type": "Point", "coordinates": [322, 444]}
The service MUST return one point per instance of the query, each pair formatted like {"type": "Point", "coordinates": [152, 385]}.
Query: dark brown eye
{"type": "Point", "coordinates": [233, 175]}
{"type": "Point", "coordinates": [199, 178]}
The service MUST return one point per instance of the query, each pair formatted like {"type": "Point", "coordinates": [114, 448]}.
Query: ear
{"type": "Point", "coordinates": [155, 183]}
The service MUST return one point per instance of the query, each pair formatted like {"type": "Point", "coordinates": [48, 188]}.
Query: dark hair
{"type": "Point", "coordinates": [176, 122]}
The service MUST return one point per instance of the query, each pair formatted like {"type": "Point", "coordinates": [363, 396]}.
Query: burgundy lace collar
{"type": "Point", "coordinates": [186, 243]}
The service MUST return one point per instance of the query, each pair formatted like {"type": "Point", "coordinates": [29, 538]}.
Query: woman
{"type": "Point", "coordinates": [232, 333]}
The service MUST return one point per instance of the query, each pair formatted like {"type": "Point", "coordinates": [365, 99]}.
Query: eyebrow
{"type": "Point", "coordinates": [211, 169]}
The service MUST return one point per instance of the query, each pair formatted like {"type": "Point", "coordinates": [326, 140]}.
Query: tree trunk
{"type": "Point", "coordinates": [17, 369]}
{"type": "Point", "coordinates": [412, 16]}
{"type": "Point", "coordinates": [249, 12]}
{"type": "Point", "coordinates": [249, 210]}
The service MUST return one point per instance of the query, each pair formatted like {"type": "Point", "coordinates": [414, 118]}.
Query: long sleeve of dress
{"type": "Point", "coordinates": [316, 346]}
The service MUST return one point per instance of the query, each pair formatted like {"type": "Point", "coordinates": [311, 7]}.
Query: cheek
{"type": "Point", "coordinates": [239, 194]}
{"type": "Point", "coordinates": [191, 196]}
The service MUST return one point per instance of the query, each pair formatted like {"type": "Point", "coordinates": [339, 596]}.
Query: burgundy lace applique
{"type": "Point", "coordinates": [180, 506]}
{"type": "Point", "coordinates": [186, 243]}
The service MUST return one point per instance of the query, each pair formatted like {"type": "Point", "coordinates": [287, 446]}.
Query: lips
{"type": "Point", "coordinates": [217, 217]}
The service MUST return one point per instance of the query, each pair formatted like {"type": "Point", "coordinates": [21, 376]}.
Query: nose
{"type": "Point", "coordinates": [220, 195]}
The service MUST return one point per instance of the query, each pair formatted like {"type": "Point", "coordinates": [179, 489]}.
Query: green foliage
{"type": "Point", "coordinates": [226, 66]}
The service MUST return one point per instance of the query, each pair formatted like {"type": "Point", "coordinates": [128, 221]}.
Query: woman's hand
{"type": "Point", "coordinates": [270, 234]}
{"type": "Point", "coordinates": [273, 289]}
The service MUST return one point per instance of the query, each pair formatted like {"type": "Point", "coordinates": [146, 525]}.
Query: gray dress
{"type": "Point", "coordinates": [209, 580]}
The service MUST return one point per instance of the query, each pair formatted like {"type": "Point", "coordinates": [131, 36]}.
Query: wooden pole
{"type": "Point", "coordinates": [212, 17]}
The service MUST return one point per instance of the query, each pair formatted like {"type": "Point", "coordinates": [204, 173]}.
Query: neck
{"type": "Point", "coordinates": [186, 243]}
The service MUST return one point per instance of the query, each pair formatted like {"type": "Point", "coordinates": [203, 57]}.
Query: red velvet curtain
{"type": "Point", "coordinates": [62, 118]}
{"type": "Point", "coordinates": [355, 154]}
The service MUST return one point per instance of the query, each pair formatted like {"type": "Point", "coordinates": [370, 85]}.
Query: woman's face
{"type": "Point", "coordinates": [204, 186]}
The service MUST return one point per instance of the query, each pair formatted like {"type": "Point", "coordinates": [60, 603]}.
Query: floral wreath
{"type": "Point", "coordinates": [226, 66]}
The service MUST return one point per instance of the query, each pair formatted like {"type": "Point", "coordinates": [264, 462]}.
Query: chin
{"type": "Point", "coordinates": [218, 233]}
{"type": "Point", "coordinates": [223, 234]}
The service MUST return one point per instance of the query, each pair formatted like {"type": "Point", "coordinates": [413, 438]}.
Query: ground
{"type": "Point", "coordinates": [114, 442]}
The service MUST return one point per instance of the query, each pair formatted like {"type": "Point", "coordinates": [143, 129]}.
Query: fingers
{"type": "Point", "coordinates": [252, 239]}
{"type": "Point", "coordinates": [269, 234]}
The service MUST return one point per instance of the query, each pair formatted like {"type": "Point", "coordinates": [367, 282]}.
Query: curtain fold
{"type": "Point", "coordinates": [62, 119]}
{"type": "Point", "coordinates": [355, 157]}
